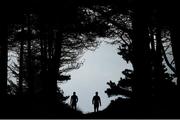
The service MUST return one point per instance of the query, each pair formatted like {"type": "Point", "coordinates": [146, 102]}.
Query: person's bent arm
{"type": "Point", "coordinates": [77, 99]}
{"type": "Point", "coordinates": [100, 101]}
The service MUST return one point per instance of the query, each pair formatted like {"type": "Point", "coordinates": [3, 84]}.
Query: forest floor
{"type": "Point", "coordinates": [117, 109]}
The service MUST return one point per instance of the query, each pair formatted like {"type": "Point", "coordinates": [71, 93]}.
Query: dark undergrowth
{"type": "Point", "coordinates": [16, 107]}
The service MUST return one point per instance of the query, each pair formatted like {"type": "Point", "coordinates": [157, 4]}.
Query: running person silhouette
{"type": "Point", "coordinates": [96, 101]}
{"type": "Point", "coordinates": [74, 100]}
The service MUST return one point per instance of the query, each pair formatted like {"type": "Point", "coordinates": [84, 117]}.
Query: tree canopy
{"type": "Point", "coordinates": [46, 39]}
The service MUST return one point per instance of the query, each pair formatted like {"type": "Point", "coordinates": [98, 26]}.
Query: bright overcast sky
{"type": "Point", "coordinates": [99, 67]}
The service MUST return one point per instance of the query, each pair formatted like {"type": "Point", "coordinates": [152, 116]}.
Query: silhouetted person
{"type": "Point", "coordinates": [74, 100]}
{"type": "Point", "coordinates": [96, 101]}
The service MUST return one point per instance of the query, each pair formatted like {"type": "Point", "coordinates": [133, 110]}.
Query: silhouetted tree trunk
{"type": "Point", "coordinates": [142, 68]}
{"type": "Point", "coordinates": [21, 67]}
{"type": "Point", "coordinates": [29, 59]}
{"type": "Point", "coordinates": [158, 67]}
{"type": "Point", "coordinates": [43, 43]}
{"type": "Point", "coordinates": [3, 58]}
{"type": "Point", "coordinates": [175, 48]}
{"type": "Point", "coordinates": [54, 66]}
{"type": "Point", "coordinates": [3, 64]}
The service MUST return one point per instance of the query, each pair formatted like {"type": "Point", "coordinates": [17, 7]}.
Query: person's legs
{"type": "Point", "coordinates": [75, 106]}
{"type": "Point", "coordinates": [97, 108]}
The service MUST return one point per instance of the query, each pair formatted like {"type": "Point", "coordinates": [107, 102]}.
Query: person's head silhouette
{"type": "Point", "coordinates": [74, 93]}
{"type": "Point", "coordinates": [96, 93]}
